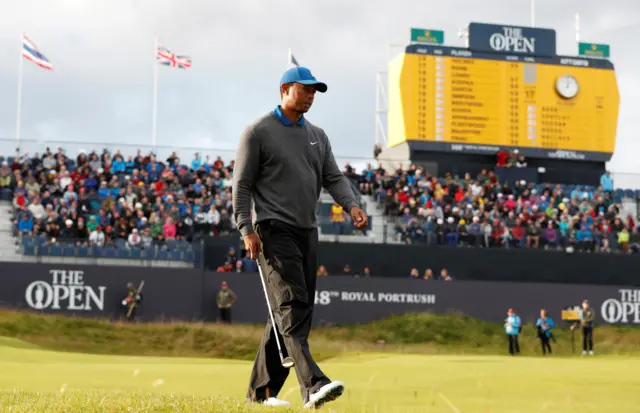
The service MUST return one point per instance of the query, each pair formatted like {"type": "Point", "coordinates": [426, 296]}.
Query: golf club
{"type": "Point", "coordinates": [286, 362]}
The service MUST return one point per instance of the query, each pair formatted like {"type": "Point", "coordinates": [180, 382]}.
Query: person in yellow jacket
{"type": "Point", "coordinates": [337, 218]}
{"type": "Point", "coordinates": [623, 240]}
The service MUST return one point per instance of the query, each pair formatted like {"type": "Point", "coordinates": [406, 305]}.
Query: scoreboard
{"type": "Point", "coordinates": [454, 99]}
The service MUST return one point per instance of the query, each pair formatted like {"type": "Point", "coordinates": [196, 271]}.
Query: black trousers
{"type": "Point", "coordinates": [587, 338]}
{"type": "Point", "coordinates": [514, 345]}
{"type": "Point", "coordinates": [225, 315]}
{"type": "Point", "coordinates": [289, 266]}
{"type": "Point", "coordinates": [545, 342]}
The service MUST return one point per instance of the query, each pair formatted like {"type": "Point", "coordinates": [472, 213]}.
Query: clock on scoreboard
{"type": "Point", "coordinates": [455, 99]}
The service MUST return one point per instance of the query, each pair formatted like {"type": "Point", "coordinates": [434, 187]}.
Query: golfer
{"type": "Point", "coordinates": [282, 163]}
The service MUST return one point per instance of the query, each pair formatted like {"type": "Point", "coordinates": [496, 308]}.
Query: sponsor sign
{"type": "Point", "coordinates": [495, 38]}
{"type": "Point", "coordinates": [624, 309]}
{"type": "Point", "coordinates": [594, 50]}
{"type": "Point", "coordinates": [66, 290]}
{"type": "Point", "coordinates": [187, 294]}
{"type": "Point", "coordinates": [568, 155]}
{"type": "Point", "coordinates": [427, 36]}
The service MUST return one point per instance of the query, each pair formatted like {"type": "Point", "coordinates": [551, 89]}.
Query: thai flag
{"type": "Point", "coordinates": [31, 52]}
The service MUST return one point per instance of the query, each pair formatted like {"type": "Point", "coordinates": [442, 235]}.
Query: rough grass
{"type": "Point", "coordinates": [409, 333]}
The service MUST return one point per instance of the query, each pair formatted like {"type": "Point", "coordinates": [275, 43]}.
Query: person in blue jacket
{"type": "Point", "coordinates": [544, 326]}
{"type": "Point", "coordinates": [512, 328]}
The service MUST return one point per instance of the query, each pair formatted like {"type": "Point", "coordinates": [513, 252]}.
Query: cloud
{"type": "Point", "coordinates": [102, 86]}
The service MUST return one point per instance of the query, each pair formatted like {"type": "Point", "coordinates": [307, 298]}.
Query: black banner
{"type": "Point", "coordinates": [481, 264]}
{"type": "Point", "coordinates": [183, 294]}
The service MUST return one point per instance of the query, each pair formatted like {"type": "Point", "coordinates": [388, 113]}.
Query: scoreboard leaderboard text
{"type": "Point", "coordinates": [457, 99]}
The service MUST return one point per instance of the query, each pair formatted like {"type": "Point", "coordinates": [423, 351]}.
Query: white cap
{"type": "Point", "coordinates": [450, 220]}
{"type": "Point", "coordinates": [440, 221]}
{"type": "Point", "coordinates": [69, 222]}
{"type": "Point", "coordinates": [476, 219]}
{"type": "Point", "coordinates": [138, 205]}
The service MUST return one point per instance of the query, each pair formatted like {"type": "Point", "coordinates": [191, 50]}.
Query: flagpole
{"type": "Point", "coordinates": [289, 58]}
{"type": "Point", "coordinates": [19, 103]}
{"type": "Point", "coordinates": [154, 130]}
{"type": "Point", "coordinates": [533, 13]}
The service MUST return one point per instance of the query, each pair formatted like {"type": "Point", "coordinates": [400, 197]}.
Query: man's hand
{"type": "Point", "coordinates": [359, 217]}
{"type": "Point", "coordinates": [253, 245]}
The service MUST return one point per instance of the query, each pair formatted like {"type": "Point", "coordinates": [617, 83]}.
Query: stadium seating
{"type": "Point", "coordinates": [454, 211]}
{"type": "Point", "coordinates": [144, 194]}
{"type": "Point", "coordinates": [103, 200]}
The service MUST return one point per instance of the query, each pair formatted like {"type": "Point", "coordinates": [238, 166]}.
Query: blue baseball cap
{"type": "Point", "coordinates": [303, 76]}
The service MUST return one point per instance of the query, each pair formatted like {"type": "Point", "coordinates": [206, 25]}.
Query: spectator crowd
{"type": "Point", "coordinates": [100, 199]}
{"type": "Point", "coordinates": [106, 198]}
{"type": "Point", "coordinates": [483, 212]}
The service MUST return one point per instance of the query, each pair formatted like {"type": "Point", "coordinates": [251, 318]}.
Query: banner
{"type": "Point", "coordinates": [495, 38]}
{"type": "Point", "coordinates": [594, 50]}
{"type": "Point", "coordinates": [427, 36]}
{"type": "Point", "coordinates": [189, 295]}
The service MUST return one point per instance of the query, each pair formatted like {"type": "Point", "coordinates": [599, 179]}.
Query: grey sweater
{"type": "Point", "coordinates": [283, 168]}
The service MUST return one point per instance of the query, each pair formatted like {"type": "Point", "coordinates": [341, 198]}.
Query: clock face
{"type": "Point", "coordinates": [567, 86]}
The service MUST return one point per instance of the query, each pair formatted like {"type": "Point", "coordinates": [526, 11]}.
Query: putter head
{"type": "Point", "coordinates": [288, 362]}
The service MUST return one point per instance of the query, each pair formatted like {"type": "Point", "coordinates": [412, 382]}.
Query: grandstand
{"type": "Point", "coordinates": [135, 208]}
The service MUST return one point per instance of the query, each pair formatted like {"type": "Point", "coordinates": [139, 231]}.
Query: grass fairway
{"type": "Point", "coordinates": [35, 380]}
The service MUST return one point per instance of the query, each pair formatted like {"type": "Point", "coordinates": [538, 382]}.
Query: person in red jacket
{"type": "Point", "coordinates": [502, 158]}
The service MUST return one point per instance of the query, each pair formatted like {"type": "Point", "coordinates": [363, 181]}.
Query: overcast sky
{"type": "Point", "coordinates": [103, 57]}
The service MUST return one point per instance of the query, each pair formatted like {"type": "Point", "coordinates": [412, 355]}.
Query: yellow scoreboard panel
{"type": "Point", "coordinates": [502, 101]}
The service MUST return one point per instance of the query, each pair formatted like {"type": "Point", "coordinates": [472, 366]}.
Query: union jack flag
{"type": "Point", "coordinates": [31, 52]}
{"type": "Point", "coordinates": [168, 58]}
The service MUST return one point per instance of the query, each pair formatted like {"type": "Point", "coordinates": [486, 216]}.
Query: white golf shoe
{"type": "Point", "coordinates": [327, 393]}
{"type": "Point", "coordinates": [274, 401]}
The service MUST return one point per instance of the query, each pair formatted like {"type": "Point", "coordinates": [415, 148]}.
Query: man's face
{"type": "Point", "coordinates": [298, 97]}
